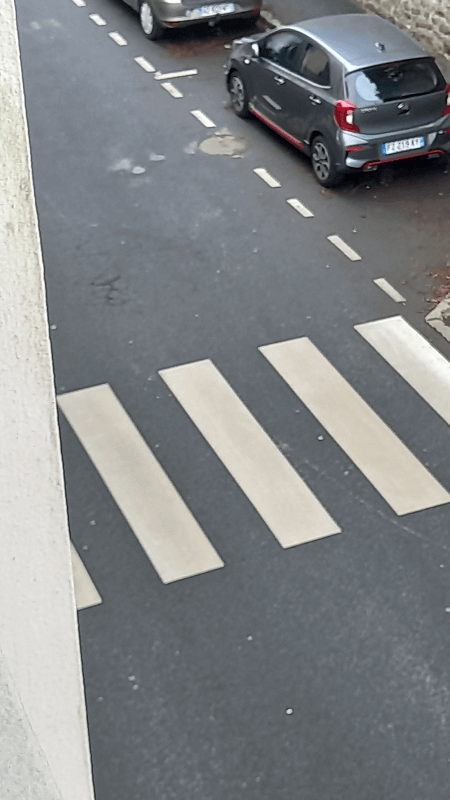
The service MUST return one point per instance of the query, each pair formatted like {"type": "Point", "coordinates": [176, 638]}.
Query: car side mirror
{"type": "Point", "coordinates": [255, 49]}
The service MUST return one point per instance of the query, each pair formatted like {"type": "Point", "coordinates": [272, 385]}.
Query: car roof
{"type": "Point", "coordinates": [353, 37]}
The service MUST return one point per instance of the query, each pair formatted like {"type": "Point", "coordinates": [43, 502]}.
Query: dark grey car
{"type": "Point", "coordinates": [352, 91]}
{"type": "Point", "coordinates": [158, 15]}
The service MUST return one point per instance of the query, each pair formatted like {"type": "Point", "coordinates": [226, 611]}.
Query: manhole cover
{"type": "Point", "coordinates": [223, 144]}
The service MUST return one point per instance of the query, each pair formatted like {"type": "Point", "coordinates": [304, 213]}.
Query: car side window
{"type": "Point", "coordinates": [315, 65]}
{"type": "Point", "coordinates": [283, 48]}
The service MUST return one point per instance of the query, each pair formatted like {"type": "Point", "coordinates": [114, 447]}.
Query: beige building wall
{"type": "Point", "coordinates": [44, 752]}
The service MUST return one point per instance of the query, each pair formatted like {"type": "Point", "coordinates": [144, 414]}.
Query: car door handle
{"type": "Point", "coordinates": [316, 100]}
{"type": "Point", "coordinates": [279, 80]}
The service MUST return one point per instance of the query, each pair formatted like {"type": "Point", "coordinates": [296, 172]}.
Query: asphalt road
{"type": "Point", "coordinates": [319, 671]}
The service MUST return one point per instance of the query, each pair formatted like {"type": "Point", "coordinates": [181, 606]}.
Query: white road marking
{"type": "Point", "coordinates": [380, 455]}
{"type": "Point", "coordinates": [280, 496]}
{"type": "Point", "coordinates": [164, 526]}
{"type": "Point", "coordinates": [344, 248]}
{"type": "Point", "coordinates": [144, 64]}
{"type": "Point", "coordinates": [383, 284]}
{"type": "Point", "coordinates": [117, 38]}
{"type": "Point", "coordinates": [267, 177]}
{"type": "Point", "coordinates": [169, 87]}
{"type": "Point", "coordinates": [305, 212]}
{"type": "Point", "coordinates": [415, 359]}
{"type": "Point", "coordinates": [206, 121]}
{"type": "Point", "coordinates": [97, 19]}
{"type": "Point", "coordinates": [79, 3]}
{"type": "Point", "coordinates": [169, 75]}
{"type": "Point", "coordinates": [86, 595]}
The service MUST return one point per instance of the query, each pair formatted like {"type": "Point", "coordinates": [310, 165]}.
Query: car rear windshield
{"type": "Point", "coordinates": [385, 82]}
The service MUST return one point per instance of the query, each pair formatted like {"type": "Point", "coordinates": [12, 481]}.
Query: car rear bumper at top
{"type": "Point", "coordinates": [364, 153]}
{"type": "Point", "coordinates": [177, 15]}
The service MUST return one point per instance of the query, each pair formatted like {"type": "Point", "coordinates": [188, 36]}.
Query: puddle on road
{"type": "Point", "coordinates": [223, 143]}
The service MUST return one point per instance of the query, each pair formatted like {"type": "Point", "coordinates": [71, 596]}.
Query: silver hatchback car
{"type": "Point", "coordinates": [351, 91]}
{"type": "Point", "coordinates": [158, 15]}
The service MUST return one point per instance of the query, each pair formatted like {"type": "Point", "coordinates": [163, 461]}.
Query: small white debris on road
{"type": "Point", "coordinates": [79, 3]}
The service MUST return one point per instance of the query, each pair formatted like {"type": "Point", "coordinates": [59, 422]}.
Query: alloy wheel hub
{"type": "Point", "coordinates": [146, 18]}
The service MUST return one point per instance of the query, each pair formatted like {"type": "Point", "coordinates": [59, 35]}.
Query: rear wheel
{"type": "Point", "coordinates": [150, 24]}
{"type": "Point", "coordinates": [323, 163]}
{"type": "Point", "coordinates": [238, 95]}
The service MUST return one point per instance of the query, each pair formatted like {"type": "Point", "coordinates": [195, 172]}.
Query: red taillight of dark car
{"type": "Point", "coordinates": [343, 116]}
{"type": "Point", "coordinates": [447, 104]}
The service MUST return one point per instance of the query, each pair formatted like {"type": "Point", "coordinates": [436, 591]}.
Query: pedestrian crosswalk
{"type": "Point", "coordinates": [158, 516]}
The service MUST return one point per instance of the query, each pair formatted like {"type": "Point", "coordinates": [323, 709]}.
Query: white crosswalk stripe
{"type": "Point", "coordinates": [283, 500]}
{"type": "Point", "coordinates": [415, 359]}
{"type": "Point", "coordinates": [86, 594]}
{"type": "Point", "coordinates": [164, 526]}
{"type": "Point", "coordinates": [380, 455]}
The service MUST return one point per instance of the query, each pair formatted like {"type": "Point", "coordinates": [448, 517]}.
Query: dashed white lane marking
{"type": "Point", "coordinates": [383, 284]}
{"type": "Point", "coordinates": [86, 595]}
{"type": "Point", "coordinates": [286, 504]}
{"type": "Point", "coordinates": [169, 75]}
{"type": "Point", "coordinates": [415, 359]}
{"type": "Point", "coordinates": [267, 177]}
{"type": "Point", "coordinates": [305, 212]}
{"type": "Point", "coordinates": [79, 3]}
{"type": "Point", "coordinates": [386, 462]}
{"type": "Point", "coordinates": [164, 526]}
{"type": "Point", "coordinates": [169, 87]}
{"type": "Point", "coordinates": [344, 248]}
{"type": "Point", "coordinates": [144, 64]}
{"type": "Point", "coordinates": [118, 38]}
{"type": "Point", "coordinates": [97, 19]}
{"type": "Point", "coordinates": [206, 121]}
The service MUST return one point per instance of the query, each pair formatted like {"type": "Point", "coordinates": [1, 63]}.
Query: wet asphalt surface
{"type": "Point", "coordinates": [191, 256]}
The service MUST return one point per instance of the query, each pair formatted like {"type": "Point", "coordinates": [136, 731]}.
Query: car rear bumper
{"type": "Point", "coordinates": [365, 153]}
{"type": "Point", "coordinates": [177, 15]}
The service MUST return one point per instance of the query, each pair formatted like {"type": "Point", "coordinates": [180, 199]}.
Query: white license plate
{"type": "Point", "coordinates": [401, 145]}
{"type": "Point", "coordinates": [212, 11]}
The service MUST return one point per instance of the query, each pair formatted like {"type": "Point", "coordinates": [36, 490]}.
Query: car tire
{"type": "Point", "coordinates": [238, 95]}
{"type": "Point", "coordinates": [323, 163]}
{"type": "Point", "coordinates": [150, 24]}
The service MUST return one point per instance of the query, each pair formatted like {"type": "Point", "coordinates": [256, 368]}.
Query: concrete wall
{"type": "Point", "coordinates": [44, 752]}
{"type": "Point", "coordinates": [428, 21]}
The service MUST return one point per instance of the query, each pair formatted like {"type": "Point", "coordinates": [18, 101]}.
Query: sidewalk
{"type": "Point", "coordinates": [45, 751]}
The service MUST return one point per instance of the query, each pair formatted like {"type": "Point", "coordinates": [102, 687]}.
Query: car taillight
{"type": "Point", "coordinates": [343, 115]}
{"type": "Point", "coordinates": [447, 104]}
